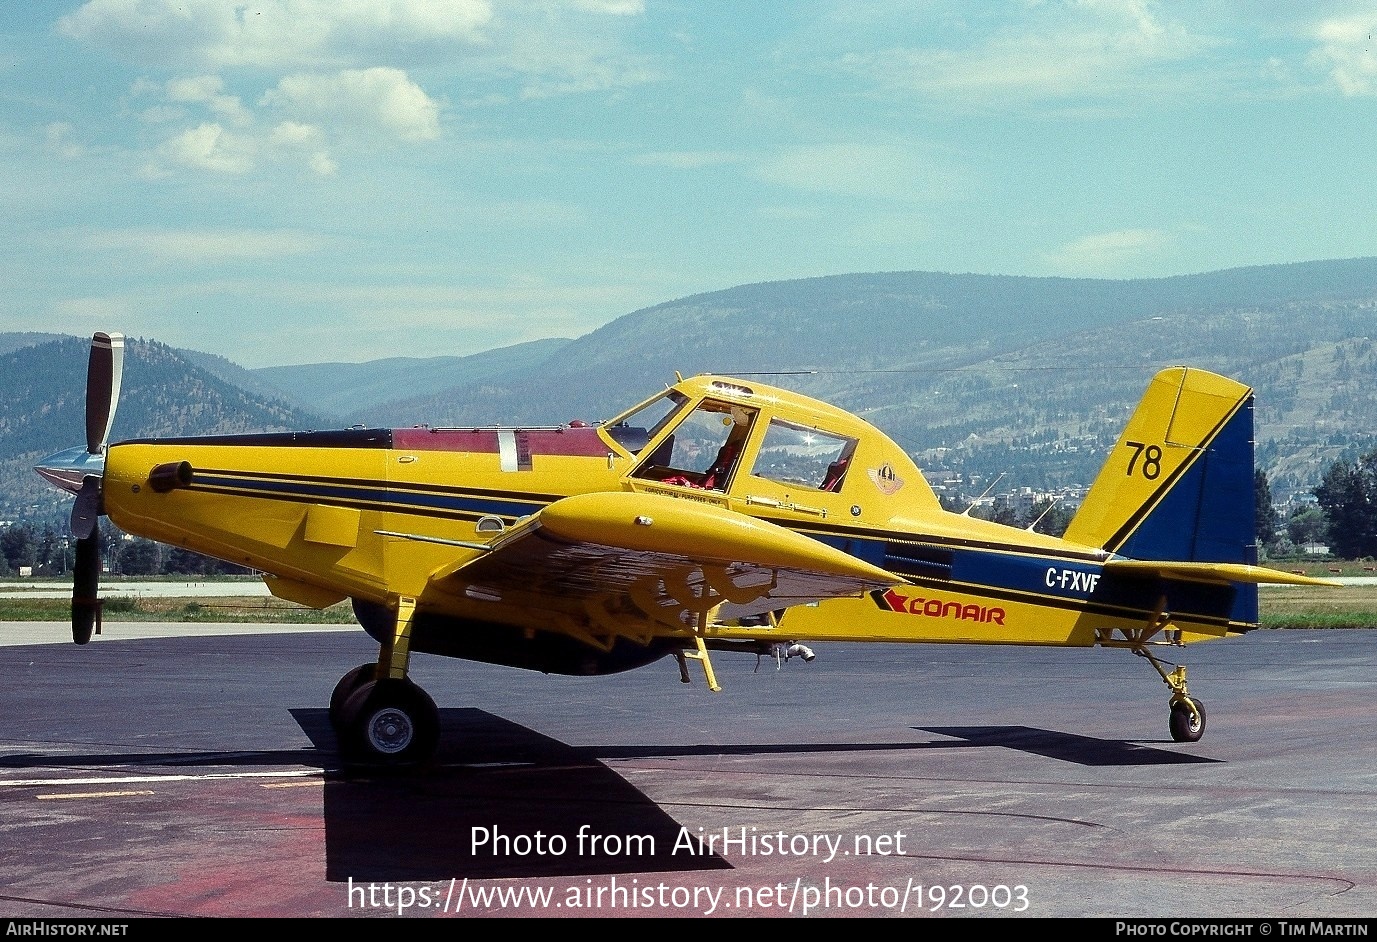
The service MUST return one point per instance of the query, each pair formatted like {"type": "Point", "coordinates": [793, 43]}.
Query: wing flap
{"type": "Point", "coordinates": [624, 556]}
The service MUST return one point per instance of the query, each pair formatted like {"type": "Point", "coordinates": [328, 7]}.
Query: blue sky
{"type": "Point", "coordinates": [296, 181]}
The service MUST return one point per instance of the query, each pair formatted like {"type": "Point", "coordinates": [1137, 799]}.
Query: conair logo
{"type": "Point", "coordinates": [936, 608]}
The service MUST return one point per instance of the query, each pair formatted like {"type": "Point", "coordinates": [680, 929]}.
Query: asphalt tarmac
{"type": "Point", "coordinates": [191, 771]}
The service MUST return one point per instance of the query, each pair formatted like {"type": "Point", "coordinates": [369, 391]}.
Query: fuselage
{"type": "Point", "coordinates": [372, 514]}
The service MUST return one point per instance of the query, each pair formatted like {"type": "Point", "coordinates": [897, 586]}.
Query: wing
{"type": "Point", "coordinates": [616, 560]}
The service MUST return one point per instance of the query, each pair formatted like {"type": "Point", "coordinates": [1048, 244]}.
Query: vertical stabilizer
{"type": "Point", "coordinates": [1178, 485]}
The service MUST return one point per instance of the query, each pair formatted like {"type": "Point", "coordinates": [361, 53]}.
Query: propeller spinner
{"type": "Point", "coordinates": [81, 471]}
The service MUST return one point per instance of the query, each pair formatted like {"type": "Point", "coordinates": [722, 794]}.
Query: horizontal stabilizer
{"type": "Point", "coordinates": [1213, 572]}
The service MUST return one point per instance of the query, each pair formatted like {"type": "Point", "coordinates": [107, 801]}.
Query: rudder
{"type": "Point", "coordinates": [1178, 485]}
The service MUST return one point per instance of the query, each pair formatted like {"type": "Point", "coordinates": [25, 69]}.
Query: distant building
{"type": "Point", "coordinates": [1314, 549]}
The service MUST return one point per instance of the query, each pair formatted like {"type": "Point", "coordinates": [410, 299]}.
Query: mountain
{"type": "Point", "coordinates": [245, 379]}
{"type": "Point", "coordinates": [43, 407]}
{"type": "Point", "coordinates": [978, 374]}
{"type": "Point", "coordinates": [975, 375]}
{"type": "Point", "coordinates": [11, 342]}
{"type": "Point", "coordinates": [348, 390]}
{"type": "Point", "coordinates": [847, 331]}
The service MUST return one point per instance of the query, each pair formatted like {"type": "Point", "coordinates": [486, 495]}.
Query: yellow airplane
{"type": "Point", "coordinates": [718, 515]}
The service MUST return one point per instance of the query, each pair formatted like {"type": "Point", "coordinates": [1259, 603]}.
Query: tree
{"type": "Point", "coordinates": [184, 562]}
{"type": "Point", "coordinates": [1051, 518]}
{"type": "Point", "coordinates": [18, 546]}
{"type": "Point", "coordinates": [1307, 525]}
{"type": "Point", "coordinates": [1348, 497]}
{"type": "Point", "coordinates": [140, 558]}
{"type": "Point", "coordinates": [1265, 517]}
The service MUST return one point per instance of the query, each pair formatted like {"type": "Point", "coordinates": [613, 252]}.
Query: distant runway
{"type": "Point", "coordinates": [249, 588]}
{"type": "Point", "coordinates": [197, 774]}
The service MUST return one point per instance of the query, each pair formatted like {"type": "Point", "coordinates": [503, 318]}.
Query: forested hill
{"type": "Point", "coordinates": [988, 374]}
{"type": "Point", "coordinates": [973, 374]}
{"type": "Point", "coordinates": [852, 330]}
{"type": "Point", "coordinates": [43, 405]}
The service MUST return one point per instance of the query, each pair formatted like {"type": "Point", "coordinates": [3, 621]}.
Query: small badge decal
{"type": "Point", "coordinates": [885, 479]}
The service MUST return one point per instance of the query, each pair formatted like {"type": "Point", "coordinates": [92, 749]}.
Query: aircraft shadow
{"type": "Point", "coordinates": [499, 800]}
{"type": "Point", "coordinates": [1067, 747]}
{"type": "Point", "coordinates": [526, 798]}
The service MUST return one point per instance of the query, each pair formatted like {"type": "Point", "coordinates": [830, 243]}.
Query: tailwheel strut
{"type": "Point", "coordinates": [386, 718]}
{"type": "Point", "coordinates": [1185, 714]}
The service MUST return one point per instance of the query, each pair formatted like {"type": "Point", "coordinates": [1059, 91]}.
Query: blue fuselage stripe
{"type": "Point", "coordinates": [376, 495]}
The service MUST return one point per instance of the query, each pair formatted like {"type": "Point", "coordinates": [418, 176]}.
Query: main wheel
{"type": "Point", "coordinates": [390, 722]}
{"type": "Point", "coordinates": [1185, 726]}
{"type": "Point", "coordinates": [349, 683]}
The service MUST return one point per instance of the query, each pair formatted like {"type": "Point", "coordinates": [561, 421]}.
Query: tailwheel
{"type": "Point", "coordinates": [349, 683]}
{"type": "Point", "coordinates": [390, 722]}
{"type": "Point", "coordinates": [1187, 725]}
{"type": "Point", "coordinates": [1186, 714]}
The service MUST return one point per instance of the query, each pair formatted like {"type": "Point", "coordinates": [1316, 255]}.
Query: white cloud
{"type": "Point", "coordinates": [615, 7]}
{"type": "Point", "coordinates": [315, 113]}
{"type": "Point", "coordinates": [376, 101]}
{"type": "Point", "coordinates": [59, 136]}
{"type": "Point", "coordinates": [689, 159]}
{"type": "Point", "coordinates": [285, 34]}
{"type": "Point", "coordinates": [75, 314]}
{"type": "Point", "coordinates": [200, 245]}
{"type": "Point", "coordinates": [875, 171]}
{"type": "Point", "coordinates": [1346, 51]}
{"type": "Point", "coordinates": [210, 147]}
{"type": "Point", "coordinates": [208, 90]}
{"type": "Point", "coordinates": [295, 137]}
{"type": "Point", "coordinates": [1073, 48]}
{"type": "Point", "coordinates": [327, 64]}
{"type": "Point", "coordinates": [1107, 253]}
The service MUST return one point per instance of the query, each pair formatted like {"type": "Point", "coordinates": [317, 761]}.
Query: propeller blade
{"type": "Point", "coordinates": [86, 508]}
{"type": "Point", "coordinates": [85, 586]}
{"type": "Point", "coordinates": [103, 373]}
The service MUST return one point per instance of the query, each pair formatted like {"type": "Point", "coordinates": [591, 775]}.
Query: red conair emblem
{"type": "Point", "coordinates": [937, 608]}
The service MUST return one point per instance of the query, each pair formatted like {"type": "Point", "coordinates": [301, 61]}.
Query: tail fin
{"type": "Point", "coordinates": [1178, 485]}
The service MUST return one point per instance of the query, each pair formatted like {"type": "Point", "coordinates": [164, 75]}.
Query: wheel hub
{"type": "Point", "coordinates": [390, 730]}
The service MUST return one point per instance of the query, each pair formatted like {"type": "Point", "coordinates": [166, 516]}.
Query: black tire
{"type": "Point", "coordinates": [349, 683]}
{"type": "Point", "coordinates": [1184, 726]}
{"type": "Point", "coordinates": [390, 722]}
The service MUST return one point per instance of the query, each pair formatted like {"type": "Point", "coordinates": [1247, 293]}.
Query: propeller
{"type": "Point", "coordinates": [81, 471]}
{"type": "Point", "coordinates": [104, 370]}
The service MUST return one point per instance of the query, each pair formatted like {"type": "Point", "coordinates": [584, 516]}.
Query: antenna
{"type": "Point", "coordinates": [1055, 500]}
{"type": "Point", "coordinates": [967, 511]}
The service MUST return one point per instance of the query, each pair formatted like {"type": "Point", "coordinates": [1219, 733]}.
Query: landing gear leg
{"type": "Point", "coordinates": [387, 719]}
{"type": "Point", "coordinates": [1185, 716]}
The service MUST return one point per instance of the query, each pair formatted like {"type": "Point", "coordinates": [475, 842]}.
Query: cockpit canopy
{"type": "Point", "coordinates": [703, 443]}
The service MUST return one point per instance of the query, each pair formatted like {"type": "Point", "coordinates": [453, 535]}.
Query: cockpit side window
{"type": "Point", "coordinates": [704, 448]}
{"type": "Point", "coordinates": [634, 430]}
{"type": "Point", "coordinates": [803, 457]}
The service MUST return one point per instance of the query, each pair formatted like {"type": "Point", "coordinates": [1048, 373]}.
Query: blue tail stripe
{"type": "Point", "coordinates": [1208, 515]}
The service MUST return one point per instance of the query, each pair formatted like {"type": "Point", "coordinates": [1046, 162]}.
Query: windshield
{"type": "Point", "coordinates": [703, 450]}
{"type": "Point", "coordinates": [635, 428]}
